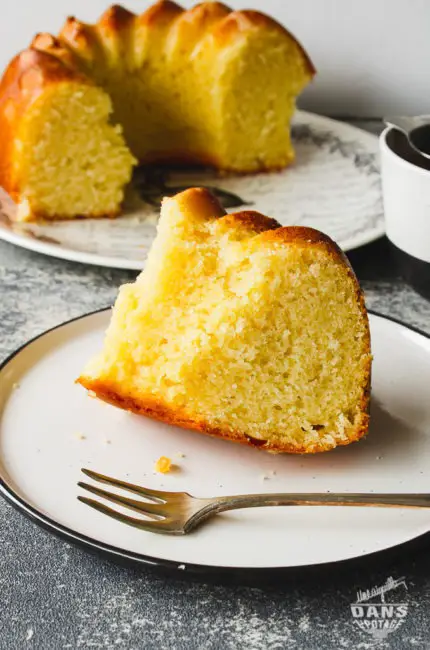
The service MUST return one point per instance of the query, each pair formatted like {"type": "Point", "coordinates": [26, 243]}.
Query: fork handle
{"type": "Point", "coordinates": [304, 499]}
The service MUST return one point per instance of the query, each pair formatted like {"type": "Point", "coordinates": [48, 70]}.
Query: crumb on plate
{"type": "Point", "coordinates": [79, 435]}
{"type": "Point", "coordinates": [163, 465]}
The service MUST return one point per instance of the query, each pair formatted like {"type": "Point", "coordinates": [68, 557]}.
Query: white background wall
{"type": "Point", "coordinates": [372, 56]}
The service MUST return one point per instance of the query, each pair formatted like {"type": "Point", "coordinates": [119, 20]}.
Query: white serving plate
{"type": "Point", "coordinates": [42, 411]}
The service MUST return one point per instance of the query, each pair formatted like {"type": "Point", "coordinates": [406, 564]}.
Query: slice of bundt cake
{"type": "Point", "coordinates": [208, 86]}
{"type": "Point", "coordinates": [241, 329]}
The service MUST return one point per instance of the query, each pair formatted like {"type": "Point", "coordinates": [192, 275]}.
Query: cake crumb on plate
{"type": "Point", "coordinates": [163, 465]}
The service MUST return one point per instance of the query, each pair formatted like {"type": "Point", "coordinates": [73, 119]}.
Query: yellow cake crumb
{"type": "Point", "coordinates": [163, 465]}
{"type": "Point", "coordinates": [79, 435]}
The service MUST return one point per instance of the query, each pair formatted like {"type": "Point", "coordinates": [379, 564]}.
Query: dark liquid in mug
{"type": "Point", "coordinates": [398, 143]}
{"type": "Point", "coordinates": [420, 138]}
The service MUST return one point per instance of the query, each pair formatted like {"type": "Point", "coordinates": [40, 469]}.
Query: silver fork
{"type": "Point", "coordinates": [177, 513]}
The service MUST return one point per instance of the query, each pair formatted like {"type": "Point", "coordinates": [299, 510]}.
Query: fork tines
{"type": "Point", "coordinates": [154, 506]}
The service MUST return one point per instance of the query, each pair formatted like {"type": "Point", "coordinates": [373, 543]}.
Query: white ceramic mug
{"type": "Point", "coordinates": [406, 195]}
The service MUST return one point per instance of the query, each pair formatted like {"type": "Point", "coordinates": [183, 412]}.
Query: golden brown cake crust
{"type": "Point", "coordinates": [226, 23]}
{"type": "Point", "coordinates": [149, 407]}
{"type": "Point", "coordinates": [162, 10]}
{"type": "Point", "coordinates": [252, 220]}
{"type": "Point", "coordinates": [116, 18]}
{"type": "Point", "coordinates": [196, 199]}
{"type": "Point", "coordinates": [242, 20]}
{"type": "Point", "coordinates": [199, 201]}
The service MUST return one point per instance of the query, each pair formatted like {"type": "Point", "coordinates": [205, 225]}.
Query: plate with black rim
{"type": "Point", "coordinates": [50, 428]}
{"type": "Point", "coordinates": [334, 186]}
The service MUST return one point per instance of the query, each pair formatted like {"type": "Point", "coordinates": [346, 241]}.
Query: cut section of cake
{"type": "Point", "coordinates": [242, 329]}
{"type": "Point", "coordinates": [61, 157]}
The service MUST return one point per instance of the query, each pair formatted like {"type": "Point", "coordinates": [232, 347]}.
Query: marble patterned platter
{"type": "Point", "coordinates": [50, 428]}
{"type": "Point", "coordinates": [334, 186]}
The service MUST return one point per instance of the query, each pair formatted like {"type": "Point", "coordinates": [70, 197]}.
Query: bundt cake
{"type": "Point", "coordinates": [241, 329]}
{"type": "Point", "coordinates": [208, 85]}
